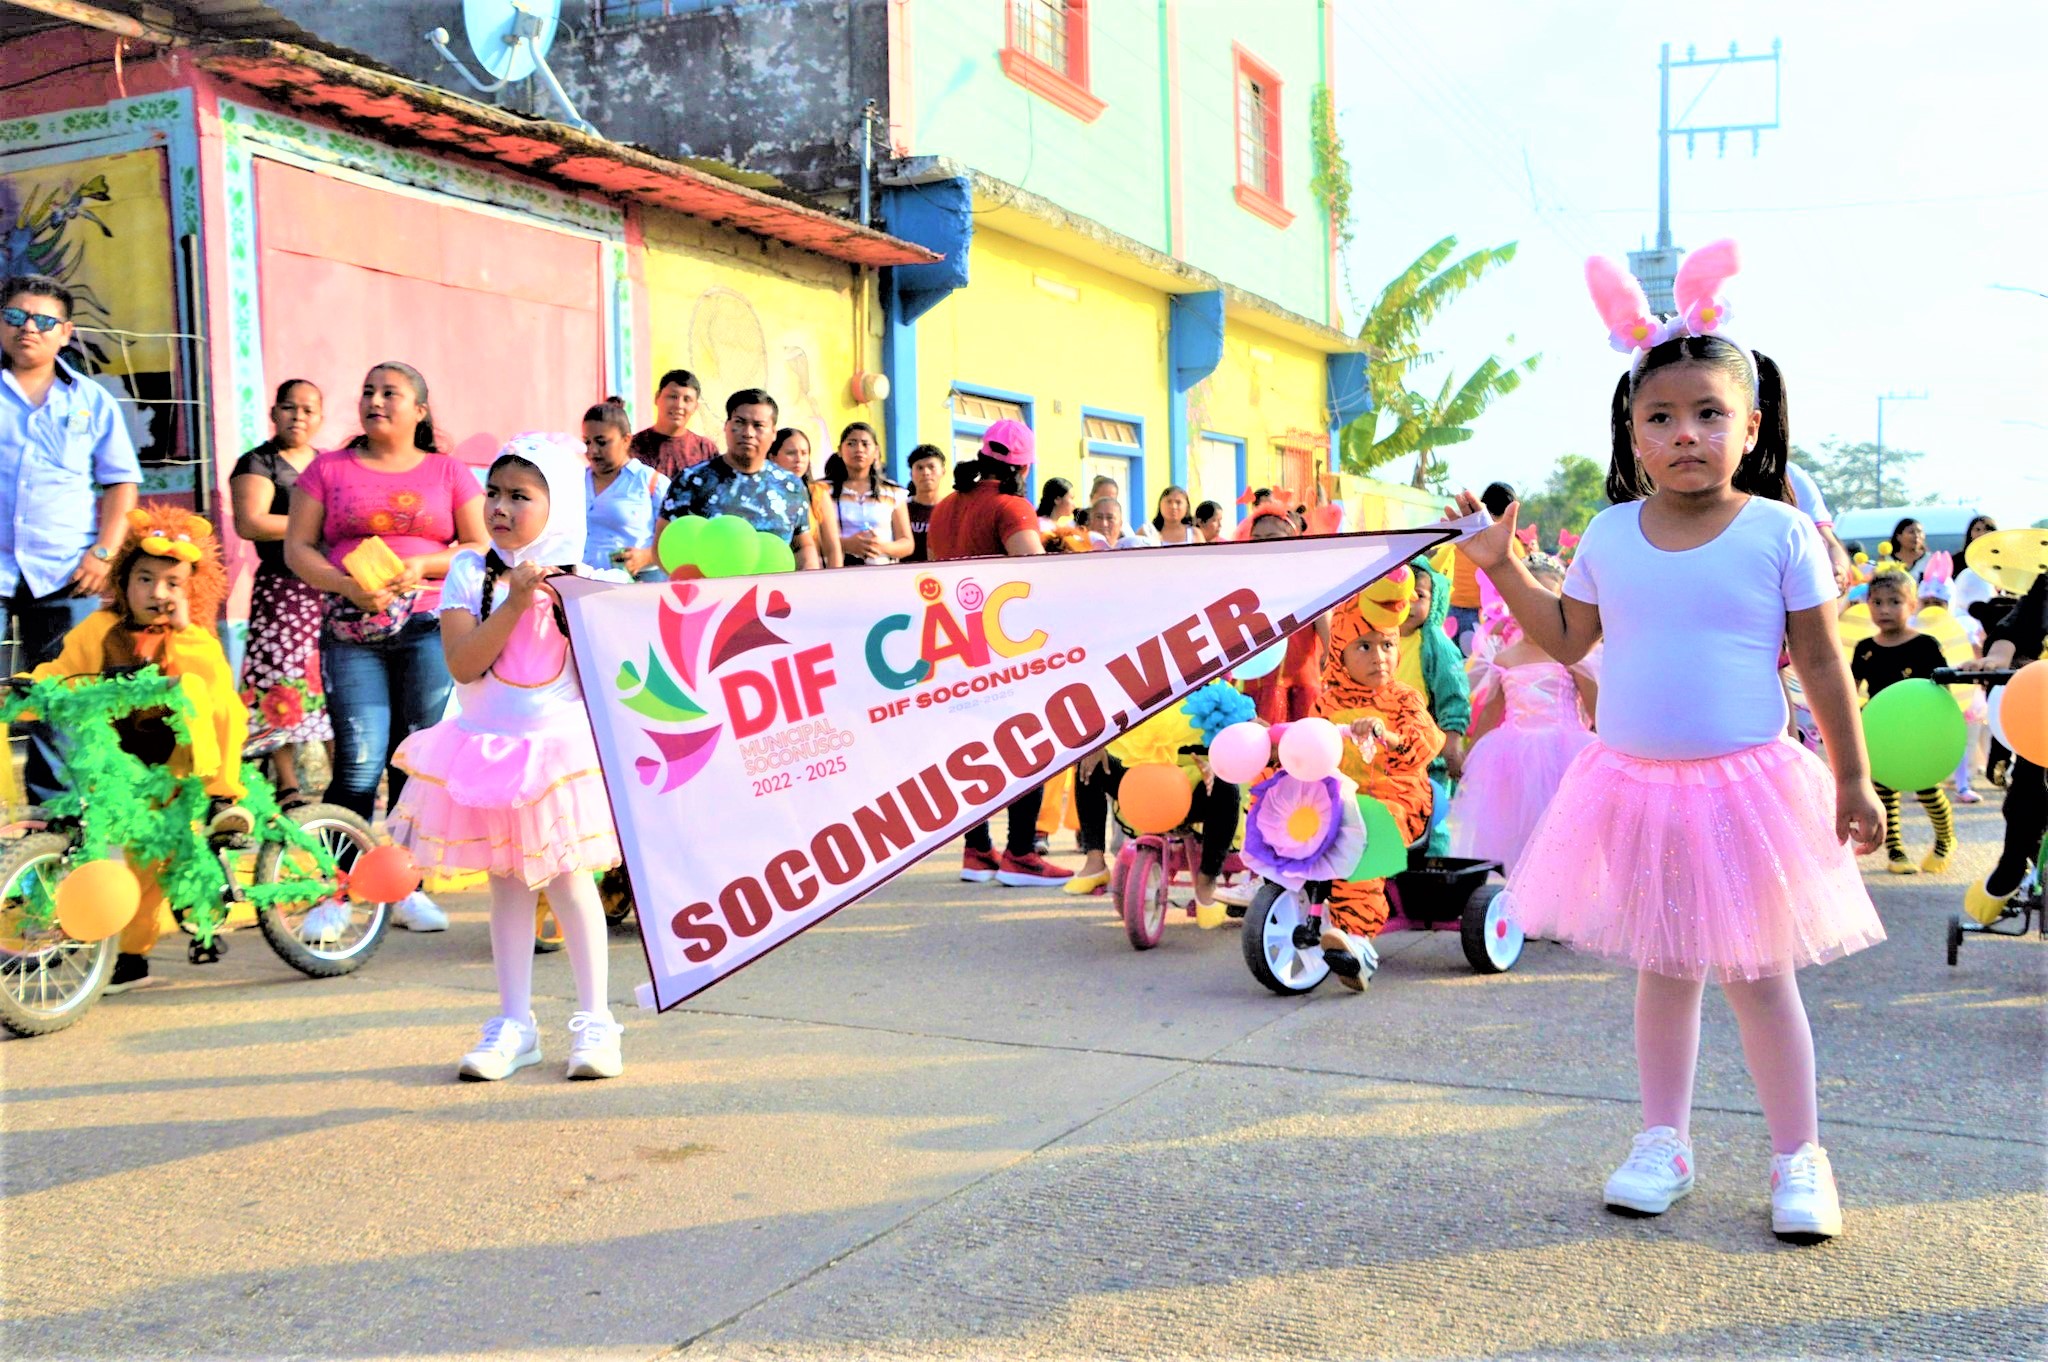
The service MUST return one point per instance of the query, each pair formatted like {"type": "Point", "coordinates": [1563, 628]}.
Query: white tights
{"type": "Point", "coordinates": [574, 899]}
{"type": "Point", "coordinates": [1777, 1042]}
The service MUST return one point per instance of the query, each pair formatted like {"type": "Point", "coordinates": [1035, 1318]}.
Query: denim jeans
{"type": "Point", "coordinates": [1467, 617]}
{"type": "Point", "coordinates": [44, 621]}
{"type": "Point", "coordinates": [378, 694]}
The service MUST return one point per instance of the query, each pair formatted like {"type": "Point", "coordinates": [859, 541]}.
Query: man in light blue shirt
{"type": "Point", "coordinates": [60, 436]}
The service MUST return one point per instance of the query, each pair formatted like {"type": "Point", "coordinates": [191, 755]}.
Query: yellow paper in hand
{"type": "Point", "coordinates": [372, 564]}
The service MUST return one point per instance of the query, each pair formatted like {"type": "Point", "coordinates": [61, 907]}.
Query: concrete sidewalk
{"type": "Point", "coordinates": [959, 1121]}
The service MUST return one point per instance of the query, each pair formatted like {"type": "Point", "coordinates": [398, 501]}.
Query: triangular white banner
{"type": "Point", "coordinates": [777, 746]}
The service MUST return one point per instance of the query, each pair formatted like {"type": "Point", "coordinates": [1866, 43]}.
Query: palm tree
{"type": "Point", "coordinates": [1392, 337]}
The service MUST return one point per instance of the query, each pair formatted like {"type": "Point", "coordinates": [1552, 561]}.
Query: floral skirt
{"type": "Point", "coordinates": [281, 667]}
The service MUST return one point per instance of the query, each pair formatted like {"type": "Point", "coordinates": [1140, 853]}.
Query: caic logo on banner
{"type": "Point", "coordinates": [968, 631]}
{"type": "Point", "coordinates": [774, 703]}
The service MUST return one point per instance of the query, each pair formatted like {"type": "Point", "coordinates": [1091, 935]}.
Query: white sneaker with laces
{"type": "Point", "coordinates": [508, 1045]}
{"type": "Point", "coordinates": [325, 923]}
{"type": "Point", "coordinates": [594, 1046]}
{"type": "Point", "coordinates": [1805, 1207]}
{"type": "Point", "coordinates": [1657, 1172]}
{"type": "Point", "coordinates": [418, 913]}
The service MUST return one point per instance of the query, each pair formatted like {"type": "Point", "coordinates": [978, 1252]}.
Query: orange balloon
{"type": "Point", "coordinates": [383, 874]}
{"type": "Point", "coordinates": [2025, 713]}
{"type": "Point", "coordinates": [97, 899]}
{"type": "Point", "coordinates": [1154, 797]}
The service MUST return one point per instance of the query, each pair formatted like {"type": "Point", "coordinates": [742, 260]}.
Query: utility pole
{"type": "Point", "coordinates": [1877, 493]}
{"type": "Point", "coordinates": [1655, 268]}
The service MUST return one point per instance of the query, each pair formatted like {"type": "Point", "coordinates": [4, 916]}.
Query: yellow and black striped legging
{"type": "Point", "coordinates": [1939, 812]}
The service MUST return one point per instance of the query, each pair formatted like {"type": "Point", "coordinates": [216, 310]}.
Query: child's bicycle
{"type": "Point", "coordinates": [2027, 909]}
{"type": "Point", "coordinates": [292, 870]}
{"type": "Point", "coordinates": [1283, 928]}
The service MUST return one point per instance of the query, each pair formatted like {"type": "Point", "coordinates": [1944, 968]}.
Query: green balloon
{"type": "Point", "coordinates": [1385, 853]}
{"type": "Point", "coordinates": [728, 547]}
{"type": "Point", "coordinates": [775, 554]}
{"type": "Point", "coordinates": [1915, 734]}
{"type": "Point", "coordinates": [678, 543]}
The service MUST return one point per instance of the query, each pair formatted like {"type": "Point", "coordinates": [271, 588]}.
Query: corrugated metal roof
{"type": "Point", "coordinates": [396, 109]}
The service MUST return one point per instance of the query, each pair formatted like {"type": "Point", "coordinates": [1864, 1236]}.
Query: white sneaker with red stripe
{"type": "Point", "coordinates": [1805, 1207]}
{"type": "Point", "coordinates": [1657, 1172]}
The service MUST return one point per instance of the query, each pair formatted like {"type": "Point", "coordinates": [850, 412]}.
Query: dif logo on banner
{"type": "Point", "coordinates": [775, 747]}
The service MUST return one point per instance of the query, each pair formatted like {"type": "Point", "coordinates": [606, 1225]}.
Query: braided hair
{"type": "Point", "coordinates": [495, 567]}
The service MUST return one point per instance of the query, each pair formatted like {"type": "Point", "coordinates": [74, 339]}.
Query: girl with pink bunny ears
{"type": "Point", "coordinates": [1692, 840]}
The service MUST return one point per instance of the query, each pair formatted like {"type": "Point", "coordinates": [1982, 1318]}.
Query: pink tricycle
{"type": "Point", "coordinates": [1147, 867]}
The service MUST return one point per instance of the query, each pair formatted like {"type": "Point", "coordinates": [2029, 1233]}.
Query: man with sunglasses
{"type": "Point", "coordinates": [60, 436]}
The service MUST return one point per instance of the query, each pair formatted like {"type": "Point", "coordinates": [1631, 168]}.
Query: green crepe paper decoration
{"type": "Point", "coordinates": [1915, 734]}
{"type": "Point", "coordinates": [1385, 853]}
{"type": "Point", "coordinates": [723, 546]}
{"type": "Point", "coordinates": [158, 818]}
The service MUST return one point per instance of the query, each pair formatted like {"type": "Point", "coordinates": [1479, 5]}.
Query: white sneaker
{"type": "Point", "coordinates": [1241, 894]}
{"type": "Point", "coordinates": [1805, 1208]}
{"type": "Point", "coordinates": [507, 1045]}
{"type": "Point", "coordinates": [594, 1046]}
{"type": "Point", "coordinates": [1657, 1172]}
{"type": "Point", "coordinates": [418, 913]}
{"type": "Point", "coordinates": [325, 923]}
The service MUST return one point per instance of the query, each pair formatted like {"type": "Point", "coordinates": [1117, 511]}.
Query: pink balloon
{"type": "Point", "coordinates": [1239, 753]}
{"type": "Point", "coordinates": [1450, 628]}
{"type": "Point", "coordinates": [1311, 749]}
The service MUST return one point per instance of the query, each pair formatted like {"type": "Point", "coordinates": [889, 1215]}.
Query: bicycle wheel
{"type": "Point", "coordinates": [1144, 898]}
{"type": "Point", "coordinates": [331, 935]}
{"type": "Point", "coordinates": [47, 980]}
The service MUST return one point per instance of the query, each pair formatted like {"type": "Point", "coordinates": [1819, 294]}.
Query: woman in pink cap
{"type": "Point", "coordinates": [987, 517]}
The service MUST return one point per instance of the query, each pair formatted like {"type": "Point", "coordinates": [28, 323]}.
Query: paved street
{"type": "Point", "coordinates": [959, 1121]}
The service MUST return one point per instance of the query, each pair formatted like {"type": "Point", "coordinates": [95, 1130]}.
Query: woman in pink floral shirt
{"type": "Point", "coordinates": [380, 651]}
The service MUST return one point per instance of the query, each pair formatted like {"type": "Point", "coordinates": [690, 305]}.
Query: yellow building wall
{"type": "Point", "coordinates": [1268, 392]}
{"type": "Point", "coordinates": [1067, 335]}
{"type": "Point", "coordinates": [742, 313]}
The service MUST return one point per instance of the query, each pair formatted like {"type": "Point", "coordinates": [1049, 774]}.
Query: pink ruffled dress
{"type": "Point", "coordinates": [510, 784]}
{"type": "Point", "coordinates": [1513, 771]}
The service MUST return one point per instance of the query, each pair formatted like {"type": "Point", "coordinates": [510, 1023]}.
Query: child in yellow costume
{"type": "Point", "coordinates": [1361, 695]}
{"type": "Point", "coordinates": [161, 604]}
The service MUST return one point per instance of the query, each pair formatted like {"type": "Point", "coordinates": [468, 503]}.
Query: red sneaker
{"type": "Point", "coordinates": [978, 867]}
{"type": "Point", "coordinates": [1018, 871]}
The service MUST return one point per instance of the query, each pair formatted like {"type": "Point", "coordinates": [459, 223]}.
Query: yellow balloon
{"type": "Point", "coordinates": [97, 899]}
{"type": "Point", "coordinates": [2009, 559]}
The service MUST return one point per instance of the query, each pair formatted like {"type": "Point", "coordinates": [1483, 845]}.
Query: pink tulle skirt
{"type": "Point", "coordinates": [528, 807]}
{"type": "Point", "coordinates": [1724, 868]}
{"type": "Point", "coordinates": [1511, 775]}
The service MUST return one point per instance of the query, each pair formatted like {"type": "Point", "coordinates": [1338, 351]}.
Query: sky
{"type": "Point", "coordinates": [1905, 180]}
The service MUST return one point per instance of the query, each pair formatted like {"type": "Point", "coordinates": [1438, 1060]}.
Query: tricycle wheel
{"type": "Point", "coordinates": [332, 935]}
{"type": "Point", "coordinates": [1491, 937]}
{"type": "Point", "coordinates": [615, 892]}
{"type": "Point", "coordinates": [1270, 951]}
{"type": "Point", "coordinates": [1144, 898]}
{"type": "Point", "coordinates": [1955, 937]}
{"type": "Point", "coordinates": [47, 980]}
{"type": "Point", "coordinates": [1119, 871]}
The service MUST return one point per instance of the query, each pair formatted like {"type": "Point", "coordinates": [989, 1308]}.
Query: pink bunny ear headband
{"type": "Point", "coordinates": [1696, 290]}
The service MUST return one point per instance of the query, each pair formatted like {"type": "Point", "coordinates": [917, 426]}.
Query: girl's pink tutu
{"type": "Point", "coordinates": [529, 807]}
{"type": "Point", "coordinates": [1512, 772]}
{"type": "Point", "coordinates": [1724, 868]}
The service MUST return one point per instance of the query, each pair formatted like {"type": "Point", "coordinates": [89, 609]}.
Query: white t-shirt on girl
{"type": "Point", "coordinates": [1693, 638]}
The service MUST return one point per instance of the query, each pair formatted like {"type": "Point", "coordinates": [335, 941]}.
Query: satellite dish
{"type": "Point", "coordinates": [510, 37]}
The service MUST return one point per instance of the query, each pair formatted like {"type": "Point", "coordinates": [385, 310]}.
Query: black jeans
{"type": "Point", "coordinates": [2026, 820]}
{"type": "Point", "coordinates": [1215, 808]}
{"type": "Point", "coordinates": [1023, 826]}
{"type": "Point", "coordinates": [44, 621]}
